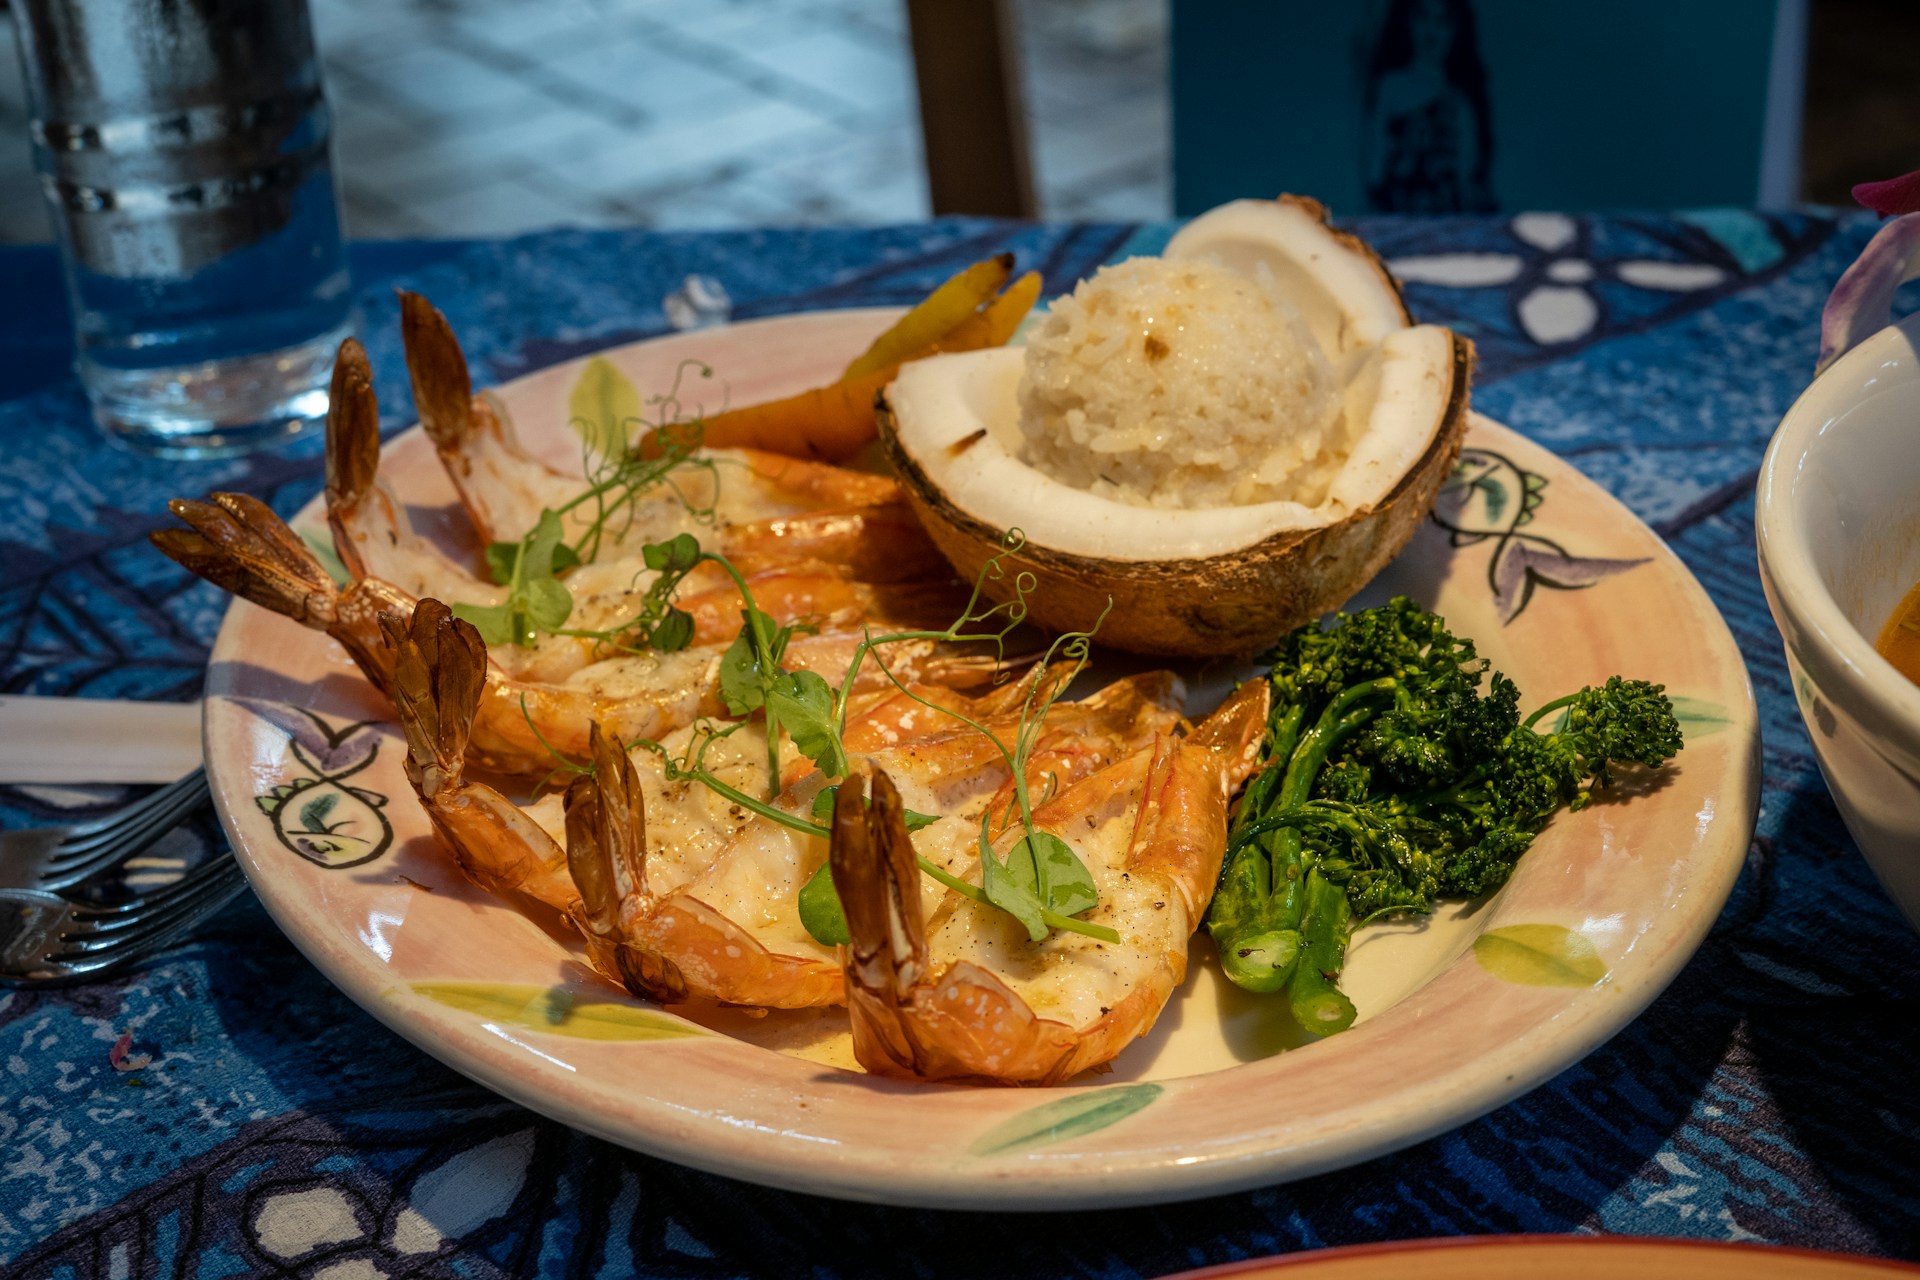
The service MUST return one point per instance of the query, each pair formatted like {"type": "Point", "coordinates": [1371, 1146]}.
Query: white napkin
{"type": "Point", "coordinates": [96, 740]}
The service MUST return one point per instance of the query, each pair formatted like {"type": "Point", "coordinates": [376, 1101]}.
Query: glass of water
{"type": "Point", "coordinates": [184, 149]}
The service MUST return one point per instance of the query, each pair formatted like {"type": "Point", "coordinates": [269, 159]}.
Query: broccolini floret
{"type": "Point", "coordinates": [1393, 779]}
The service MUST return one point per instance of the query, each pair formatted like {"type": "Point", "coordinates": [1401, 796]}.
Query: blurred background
{"type": "Point", "coordinates": [487, 117]}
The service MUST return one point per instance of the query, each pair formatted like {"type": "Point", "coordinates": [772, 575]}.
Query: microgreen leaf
{"type": "Point", "coordinates": [1061, 881]}
{"type": "Point", "coordinates": [744, 676]}
{"type": "Point", "coordinates": [677, 555]}
{"type": "Point", "coordinates": [494, 622]}
{"type": "Point", "coordinates": [750, 670]}
{"type": "Point", "coordinates": [548, 602]}
{"type": "Point", "coordinates": [802, 702]}
{"type": "Point", "coordinates": [538, 558]}
{"type": "Point", "coordinates": [502, 559]}
{"type": "Point", "coordinates": [1011, 889]}
{"type": "Point", "coordinates": [536, 600]}
{"type": "Point", "coordinates": [823, 811]}
{"type": "Point", "coordinates": [602, 405]}
{"type": "Point", "coordinates": [673, 632]}
{"type": "Point", "coordinates": [820, 912]}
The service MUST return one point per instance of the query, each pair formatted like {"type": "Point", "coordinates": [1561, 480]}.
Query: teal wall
{"type": "Point", "coordinates": [1628, 104]}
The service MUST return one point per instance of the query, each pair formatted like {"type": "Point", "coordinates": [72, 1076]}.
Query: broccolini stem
{"type": "Point", "coordinates": [1317, 1004]}
{"type": "Point", "coordinates": [1334, 724]}
{"type": "Point", "coordinates": [1255, 916]}
{"type": "Point", "coordinates": [1260, 960]}
{"type": "Point", "coordinates": [1289, 878]}
{"type": "Point", "coordinates": [1284, 736]}
{"type": "Point", "coordinates": [1544, 708]}
{"type": "Point", "coordinates": [1256, 913]}
{"type": "Point", "coordinates": [1255, 803]}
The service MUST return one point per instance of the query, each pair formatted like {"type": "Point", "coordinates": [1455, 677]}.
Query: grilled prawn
{"type": "Point", "coordinates": [764, 505]}
{"type": "Point", "coordinates": [375, 539]}
{"type": "Point", "coordinates": [239, 544]}
{"type": "Point", "coordinates": [960, 993]}
{"type": "Point", "coordinates": [679, 892]}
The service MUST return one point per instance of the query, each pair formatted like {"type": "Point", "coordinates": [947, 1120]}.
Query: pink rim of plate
{"type": "Point", "coordinates": [1338, 1261]}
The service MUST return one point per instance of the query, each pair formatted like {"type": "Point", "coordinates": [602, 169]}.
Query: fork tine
{"type": "Point", "coordinates": [62, 964]}
{"type": "Point", "coordinates": [153, 931]}
{"type": "Point", "coordinates": [87, 916]}
{"type": "Point", "coordinates": [200, 895]}
{"type": "Point", "coordinates": [107, 821]}
{"type": "Point", "coordinates": [90, 917]}
{"type": "Point", "coordinates": [92, 846]}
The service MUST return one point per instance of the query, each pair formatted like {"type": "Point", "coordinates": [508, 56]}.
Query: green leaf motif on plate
{"type": "Point", "coordinates": [556, 1011]}
{"type": "Point", "coordinates": [1700, 718]}
{"type": "Point", "coordinates": [1540, 955]}
{"type": "Point", "coordinates": [1072, 1117]}
{"type": "Point", "coordinates": [313, 814]}
{"type": "Point", "coordinates": [1495, 494]}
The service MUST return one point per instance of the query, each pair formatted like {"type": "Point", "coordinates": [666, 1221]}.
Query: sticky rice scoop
{"type": "Point", "coordinates": [1181, 383]}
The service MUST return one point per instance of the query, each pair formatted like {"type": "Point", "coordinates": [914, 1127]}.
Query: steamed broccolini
{"type": "Point", "coordinates": [1392, 779]}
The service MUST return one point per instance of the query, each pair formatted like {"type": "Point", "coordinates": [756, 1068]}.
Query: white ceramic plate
{"type": "Point", "coordinates": [1558, 583]}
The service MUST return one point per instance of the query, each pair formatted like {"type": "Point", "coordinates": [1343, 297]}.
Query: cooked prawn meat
{"type": "Point", "coordinates": [240, 545]}
{"type": "Point", "coordinates": [689, 894]}
{"type": "Point", "coordinates": [788, 562]}
{"type": "Point", "coordinates": [791, 506]}
{"type": "Point", "coordinates": [960, 993]}
{"type": "Point", "coordinates": [836, 550]}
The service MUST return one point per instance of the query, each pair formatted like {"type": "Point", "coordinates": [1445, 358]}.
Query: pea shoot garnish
{"type": "Point", "coordinates": [607, 415]}
{"type": "Point", "coordinates": [1040, 881]}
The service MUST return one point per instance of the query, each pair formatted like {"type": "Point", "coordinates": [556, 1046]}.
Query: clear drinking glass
{"type": "Point", "coordinates": [184, 149]}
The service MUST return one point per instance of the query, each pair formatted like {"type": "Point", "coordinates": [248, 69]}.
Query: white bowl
{"type": "Point", "coordinates": [1838, 521]}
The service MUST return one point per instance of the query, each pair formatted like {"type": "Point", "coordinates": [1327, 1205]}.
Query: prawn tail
{"type": "Point", "coordinates": [1236, 730]}
{"type": "Point", "coordinates": [440, 665]}
{"type": "Point", "coordinates": [353, 450]}
{"type": "Point", "coordinates": [962, 1022]}
{"type": "Point", "coordinates": [606, 856]}
{"type": "Point", "coordinates": [237, 543]}
{"type": "Point", "coordinates": [442, 385]}
{"type": "Point", "coordinates": [472, 433]}
{"type": "Point", "coordinates": [878, 879]}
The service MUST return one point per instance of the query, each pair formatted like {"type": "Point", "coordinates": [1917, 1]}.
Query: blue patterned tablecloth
{"type": "Point", "coordinates": [225, 1111]}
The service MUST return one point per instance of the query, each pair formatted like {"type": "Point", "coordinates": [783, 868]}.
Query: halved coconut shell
{"type": "Point", "coordinates": [1228, 604]}
{"type": "Point", "coordinates": [1344, 292]}
{"type": "Point", "coordinates": [1279, 565]}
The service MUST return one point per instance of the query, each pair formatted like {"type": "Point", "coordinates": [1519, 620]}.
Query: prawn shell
{"type": "Point", "coordinates": [719, 960]}
{"type": "Point", "coordinates": [961, 1022]}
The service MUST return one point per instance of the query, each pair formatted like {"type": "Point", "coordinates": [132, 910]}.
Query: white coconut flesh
{"type": "Point", "coordinates": [956, 418]}
{"type": "Point", "coordinates": [1340, 289]}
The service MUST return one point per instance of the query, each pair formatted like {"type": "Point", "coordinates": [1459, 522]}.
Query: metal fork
{"type": "Point", "coordinates": [45, 938]}
{"type": "Point", "coordinates": [49, 858]}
